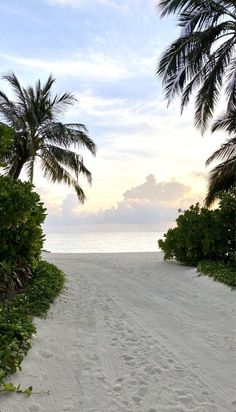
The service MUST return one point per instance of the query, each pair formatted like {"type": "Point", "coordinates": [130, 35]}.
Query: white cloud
{"type": "Point", "coordinates": [152, 191]}
{"type": "Point", "coordinates": [122, 5]}
{"type": "Point", "coordinates": [90, 66]}
{"type": "Point", "coordinates": [150, 206]}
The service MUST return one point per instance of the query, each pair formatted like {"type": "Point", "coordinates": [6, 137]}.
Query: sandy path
{"type": "Point", "coordinates": [132, 334]}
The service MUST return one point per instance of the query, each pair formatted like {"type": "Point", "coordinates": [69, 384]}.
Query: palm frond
{"type": "Point", "coordinates": [222, 179]}
{"type": "Point", "coordinates": [53, 171]}
{"type": "Point", "coordinates": [46, 89]}
{"type": "Point", "coordinates": [186, 6]}
{"type": "Point", "coordinates": [231, 85]}
{"type": "Point", "coordinates": [226, 151]}
{"type": "Point", "coordinates": [209, 93]}
{"type": "Point", "coordinates": [14, 82]}
{"type": "Point", "coordinates": [227, 121]}
{"type": "Point", "coordinates": [68, 134]}
{"type": "Point", "coordinates": [203, 56]}
{"type": "Point", "coordinates": [69, 159]}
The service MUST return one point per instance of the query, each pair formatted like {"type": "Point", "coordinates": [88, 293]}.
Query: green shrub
{"type": "Point", "coordinates": [16, 326]}
{"type": "Point", "coordinates": [202, 234]}
{"type": "Point", "coordinates": [222, 272]}
{"type": "Point", "coordinates": [21, 236]}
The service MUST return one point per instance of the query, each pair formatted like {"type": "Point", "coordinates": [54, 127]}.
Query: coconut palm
{"type": "Point", "coordinates": [38, 134]}
{"type": "Point", "coordinates": [203, 58]}
{"type": "Point", "coordinates": [223, 176]}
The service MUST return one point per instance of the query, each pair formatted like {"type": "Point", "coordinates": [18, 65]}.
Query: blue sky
{"type": "Point", "coordinates": [106, 52]}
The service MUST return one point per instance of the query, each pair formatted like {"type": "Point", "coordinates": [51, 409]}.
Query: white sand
{"type": "Point", "coordinates": [132, 333]}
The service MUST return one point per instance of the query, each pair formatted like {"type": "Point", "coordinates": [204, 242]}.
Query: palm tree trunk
{"type": "Point", "coordinates": [16, 172]}
{"type": "Point", "coordinates": [32, 170]}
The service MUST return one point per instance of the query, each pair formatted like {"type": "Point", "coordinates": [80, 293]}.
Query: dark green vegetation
{"type": "Point", "coordinates": [21, 235]}
{"type": "Point", "coordinates": [202, 62]}
{"type": "Point", "coordinates": [39, 135]}
{"type": "Point", "coordinates": [205, 235]}
{"type": "Point", "coordinates": [222, 272]}
{"type": "Point", "coordinates": [6, 140]}
{"type": "Point", "coordinates": [16, 326]}
{"type": "Point", "coordinates": [27, 285]}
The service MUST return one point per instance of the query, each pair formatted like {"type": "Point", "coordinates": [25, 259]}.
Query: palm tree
{"type": "Point", "coordinates": [223, 176]}
{"type": "Point", "coordinates": [38, 134]}
{"type": "Point", "coordinates": [203, 57]}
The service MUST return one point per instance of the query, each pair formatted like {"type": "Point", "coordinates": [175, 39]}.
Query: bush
{"type": "Point", "coordinates": [16, 326]}
{"type": "Point", "coordinates": [222, 272]}
{"type": "Point", "coordinates": [202, 234]}
{"type": "Point", "coordinates": [21, 236]}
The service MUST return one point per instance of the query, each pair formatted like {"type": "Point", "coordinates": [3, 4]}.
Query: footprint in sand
{"type": "Point", "coordinates": [117, 388]}
{"type": "Point", "coordinates": [137, 399]}
{"type": "Point", "coordinates": [45, 355]}
{"type": "Point", "coordinates": [35, 408]}
{"type": "Point", "coordinates": [68, 405]}
{"type": "Point", "coordinates": [142, 391]}
{"type": "Point", "coordinates": [120, 380]}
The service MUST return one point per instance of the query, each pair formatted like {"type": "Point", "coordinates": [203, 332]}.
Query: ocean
{"type": "Point", "coordinates": [106, 242]}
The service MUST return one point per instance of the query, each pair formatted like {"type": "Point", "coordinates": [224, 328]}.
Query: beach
{"type": "Point", "coordinates": [131, 333]}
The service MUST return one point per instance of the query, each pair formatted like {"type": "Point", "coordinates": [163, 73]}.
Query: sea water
{"type": "Point", "coordinates": [102, 242]}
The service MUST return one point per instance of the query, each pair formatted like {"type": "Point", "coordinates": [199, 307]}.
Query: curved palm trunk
{"type": "Point", "coordinates": [32, 170]}
{"type": "Point", "coordinates": [17, 170]}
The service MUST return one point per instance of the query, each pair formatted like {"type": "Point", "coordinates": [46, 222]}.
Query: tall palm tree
{"type": "Point", "coordinates": [40, 135]}
{"type": "Point", "coordinates": [223, 176]}
{"type": "Point", "coordinates": [203, 58]}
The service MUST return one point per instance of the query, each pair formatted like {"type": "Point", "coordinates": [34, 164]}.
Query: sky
{"type": "Point", "coordinates": [150, 160]}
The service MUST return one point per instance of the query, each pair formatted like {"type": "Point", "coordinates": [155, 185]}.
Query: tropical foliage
{"type": "Point", "coordinates": [223, 176]}
{"type": "Point", "coordinates": [16, 326]}
{"type": "Point", "coordinates": [203, 58]}
{"type": "Point", "coordinates": [38, 134]}
{"type": "Point", "coordinates": [21, 235]}
{"type": "Point", "coordinates": [220, 271]}
{"type": "Point", "coordinates": [203, 234]}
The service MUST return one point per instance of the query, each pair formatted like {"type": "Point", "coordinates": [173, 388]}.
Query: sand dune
{"type": "Point", "coordinates": [131, 334]}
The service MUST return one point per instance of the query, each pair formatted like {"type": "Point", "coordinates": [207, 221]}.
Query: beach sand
{"type": "Point", "coordinates": [131, 333]}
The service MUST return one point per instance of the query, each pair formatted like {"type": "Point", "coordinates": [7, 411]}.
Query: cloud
{"type": "Point", "coordinates": [150, 206]}
{"type": "Point", "coordinates": [121, 5]}
{"type": "Point", "coordinates": [93, 66]}
{"type": "Point", "coordinates": [157, 192]}
{"type": "Point", "coordinates": [79, 3]}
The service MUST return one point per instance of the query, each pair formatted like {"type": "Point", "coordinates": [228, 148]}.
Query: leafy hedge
{"type": "Point", "coordinates": [16, 326]}
{"type": "Point", "coordinates": [21, 235]}
{"type": "Point", "coordinates": [203, 234]}
{"type": "Point", "coordinates": [221, 272]}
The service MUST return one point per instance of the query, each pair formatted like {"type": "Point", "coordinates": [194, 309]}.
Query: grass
{"type": "Point", "coordinates": [219, 271]}
{"type": "Point", "coordinates": [16, 325]}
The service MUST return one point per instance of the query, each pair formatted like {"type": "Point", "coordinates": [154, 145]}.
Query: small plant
{"type": "Point", "coordinates": [16, 326]}
{"type": "Point", "coordinates": [219, 271]}
{"type": "Point", "coordinates": [202, 234]}
{"type": "Point", "coordinates": [21, 216]}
